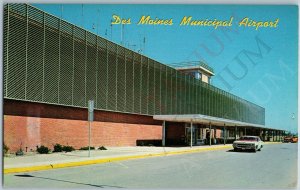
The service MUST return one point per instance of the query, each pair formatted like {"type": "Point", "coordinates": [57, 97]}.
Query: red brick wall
{"type": "Point", "coordinates": [32, 131]}
{"type": "Point", "coordinates": [32, 124]}
{"type": "Point", "coordinates": [22, 108]}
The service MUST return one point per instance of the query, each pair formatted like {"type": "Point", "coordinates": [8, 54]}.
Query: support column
{"type": "Point", "coordinates": [209, 134]}
{"type": "Point", "coordinates": [245, 131]}
{"type": "Point", "coordinates": [191, 134]}
{"type": "Point", "coordinates": [273, 136]}
{"type": "Point", "coordinates": [224, 135]}
{"type": "Point", "coordinates": [215, 135]}
{"type": "Point", "coordinates": [164, 134]}
{"type": "Point", "coordinates": [235, 131]}
{"type": "Point", "coordinates": [260, 133]}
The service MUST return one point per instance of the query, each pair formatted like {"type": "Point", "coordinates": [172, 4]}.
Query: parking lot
{"type": "Point", "coordinates": [273, 167]}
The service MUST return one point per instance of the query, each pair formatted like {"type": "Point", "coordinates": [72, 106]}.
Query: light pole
{"type": "Point", "coordinates": [90, 120]}
{"type": "Point", "coordinates": [292, 120]}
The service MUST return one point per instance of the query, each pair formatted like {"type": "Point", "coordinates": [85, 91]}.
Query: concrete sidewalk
{"type": "Point", "coordinates": [35, 162]}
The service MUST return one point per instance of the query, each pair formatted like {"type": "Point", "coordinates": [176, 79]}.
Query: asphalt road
{"type": "Point", "coordinates": [274, 167]}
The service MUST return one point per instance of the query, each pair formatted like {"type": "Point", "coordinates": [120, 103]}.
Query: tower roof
{"type": "Point", "coordinates": [193, 65]}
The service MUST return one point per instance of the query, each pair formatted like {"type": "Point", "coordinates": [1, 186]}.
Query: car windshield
{"type": "Point", "coordinates": [249, 138]}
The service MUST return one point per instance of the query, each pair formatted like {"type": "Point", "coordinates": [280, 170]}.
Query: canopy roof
{"type": "Point", "coordinates": [205, 119]}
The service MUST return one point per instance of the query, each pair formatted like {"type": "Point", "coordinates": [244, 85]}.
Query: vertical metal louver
{"type": "Point", "coordinates": [17, 52]}
{"type": "Point", "coordinates": [130, 79]}
{"type": "Point", "coordinates": [102, 74]}
{"type": "Point", "coordinates": [163, 87]}
{"type": "Point", "coordinates": [144, 85]}
{"type": "Point", "coordinates": [151, 87]}
{"type": "Point", "coordinates": [112, 74]}
{"type": "Point", "coordinates": [66, 64]}
{"type": "Point", "coordinates": [80, 51]}
{"type": "Point", "coordinates": [157, 88]}
{"type": "Point", "coordinates": [121, 80]}
{"type": "Point", "coordinates": [5, 49]}
{"type": "Point", "coordinates": [49, 60]}
{"type": "Point", "coordinates": [137, 83]}
{"type": "Point", "coordinates": [91, 68]}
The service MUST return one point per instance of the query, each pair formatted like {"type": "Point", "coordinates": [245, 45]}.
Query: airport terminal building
{"type": "Point", "coordinates": [51, 68]}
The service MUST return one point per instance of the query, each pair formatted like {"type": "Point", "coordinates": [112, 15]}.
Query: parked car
{"type": "Point", "coordinates": [253, 143]}
{"type": "Point", "coordinates": [287, 139]}
{"type": "Point", "coordinates": [294, 139]}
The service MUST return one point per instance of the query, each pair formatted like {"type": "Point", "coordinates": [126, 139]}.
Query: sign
{"type": "Point", "coordinates": [91, 105]}
{"type": "Point", "coordinates": [91, 110]}
{"type": "Point", "coordinates": [90, 118]}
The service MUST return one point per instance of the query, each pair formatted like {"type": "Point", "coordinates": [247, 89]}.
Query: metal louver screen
{"type": "Point", "coordinates": [51, 61]}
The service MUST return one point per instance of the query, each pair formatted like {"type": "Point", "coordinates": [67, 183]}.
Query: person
{"type": "Point", "coordinates": [207, 137]}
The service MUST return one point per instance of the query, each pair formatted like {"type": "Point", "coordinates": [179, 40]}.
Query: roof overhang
{"type": "Point", "coordinates": [205, 119]}
{"type": "Point", "coordinates": [195, 68]}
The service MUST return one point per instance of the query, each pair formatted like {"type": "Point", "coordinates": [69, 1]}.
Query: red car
{"type": "Point", "coordinates": [287, 139]}
{"type": "Point", "coordinates": [292, 139]}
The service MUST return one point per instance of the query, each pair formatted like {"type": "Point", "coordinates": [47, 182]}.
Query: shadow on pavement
{"type": "Point", "coordinates": [101, 186]}
{"type": "Point", "coordinates": [230, 150]}
{"type": "Point", "coordinates": [241, 151]}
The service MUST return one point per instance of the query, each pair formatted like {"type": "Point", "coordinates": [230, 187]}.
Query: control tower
{"type": "Point", "coordinates": [197, 69]}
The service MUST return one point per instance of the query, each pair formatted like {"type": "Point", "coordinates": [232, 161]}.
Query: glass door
{"type": "Point", "coordinates": [188, 135]}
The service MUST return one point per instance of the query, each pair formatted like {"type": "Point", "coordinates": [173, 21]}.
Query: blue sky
{"type": "Point", "coordinates": [257, 65]}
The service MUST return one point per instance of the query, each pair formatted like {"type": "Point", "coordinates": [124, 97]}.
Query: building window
{"type": "Point", "coordinates": [198, 75]}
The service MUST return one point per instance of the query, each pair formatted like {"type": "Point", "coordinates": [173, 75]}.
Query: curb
{"type": "Point", "coordinates": [113, 159]}
{"type": "Point", "coordinates": [106, 160]}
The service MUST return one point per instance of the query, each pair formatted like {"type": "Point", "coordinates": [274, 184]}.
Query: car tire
{"type": "Point", "coordinates": [260, 148]}
{"type": "Point", "coordinates": [254, 150]}
{"type": "Point", "coordinates": [235, 150]}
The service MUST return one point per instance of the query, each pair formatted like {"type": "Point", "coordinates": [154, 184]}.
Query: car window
{"type": "Point", "coordinates": [249, 138]}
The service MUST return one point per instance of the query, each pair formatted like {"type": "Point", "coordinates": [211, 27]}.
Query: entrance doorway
{"type": "Point", "coordinates": [188, 134]}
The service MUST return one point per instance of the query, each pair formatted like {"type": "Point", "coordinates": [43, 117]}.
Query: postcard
{"type": "Point", "coordinates": [150, 96]}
